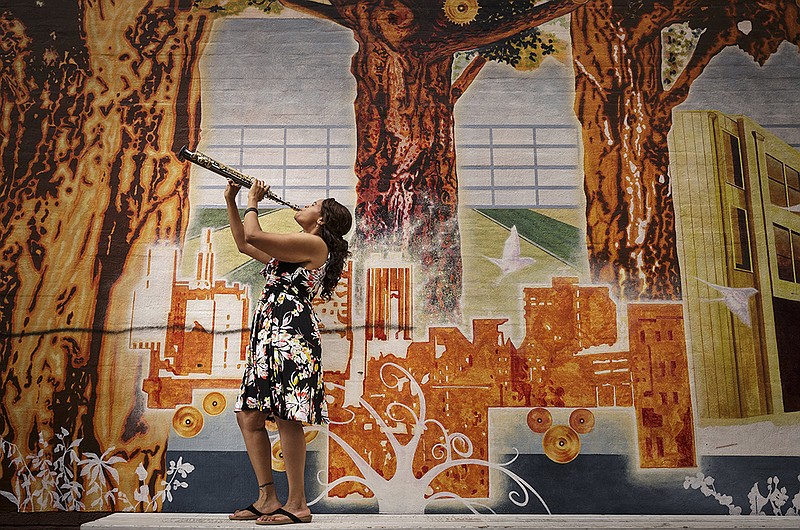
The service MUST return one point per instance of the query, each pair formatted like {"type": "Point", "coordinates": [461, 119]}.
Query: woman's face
{"type": "Point", "coordinates": [310, 214]}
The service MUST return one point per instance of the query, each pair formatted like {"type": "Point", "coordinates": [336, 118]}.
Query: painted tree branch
{"type": "Point", "coordinates": [466, 78]}
{"type": "Point", "coordinates": [315, 9]}
{"type": "Point", "coordinates": [708, 46]}
{"type": "Point", "coordinates": [770, 28]}
{"type": "Point", "coordinates": [662, 16]}
{"type": "Point", "coordinates": [484, 35]}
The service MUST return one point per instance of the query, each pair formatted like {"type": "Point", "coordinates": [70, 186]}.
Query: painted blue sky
{"type": "Point", "coordinates": [297, 70]}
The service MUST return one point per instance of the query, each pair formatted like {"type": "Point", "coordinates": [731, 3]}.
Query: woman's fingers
{"type": "Point", "coordinates": [232, 189]}
{"type": "Point", "coordinates": [258, 190]}
{"type": "Point", "coordinates": [263, 185]}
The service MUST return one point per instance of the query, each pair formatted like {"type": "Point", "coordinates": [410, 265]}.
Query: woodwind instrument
{"type": "Point", "coordinates": [219, 168]}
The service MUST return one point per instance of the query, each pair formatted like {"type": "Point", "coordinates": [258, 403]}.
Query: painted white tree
{"type": "Point", "coordinates": [403, 492]}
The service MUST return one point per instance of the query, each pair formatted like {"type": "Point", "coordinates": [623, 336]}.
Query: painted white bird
{"type": "Point", "coordinates": [511, 260]}
{"type": "Point", "coordinates": [737, 299]}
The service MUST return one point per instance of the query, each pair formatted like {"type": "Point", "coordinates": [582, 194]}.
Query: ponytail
{"type": "Point", "coordinates": [337, 221]}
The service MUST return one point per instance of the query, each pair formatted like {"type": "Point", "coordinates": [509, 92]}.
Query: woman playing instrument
{"type": "Point", "coordinates": [283, 373]}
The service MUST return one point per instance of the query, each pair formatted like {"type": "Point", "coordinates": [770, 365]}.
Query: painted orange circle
{"type": "Point", "coordinates": [214, 403]}
{"type": "Point", "coordinates": [310, 435]}
{"type": "Point", "coordinates": [539, 420]}
{"type": "Point", "coordinates": [277, 457]}
{"type": "Point", "coordinates": [278, 464]}
{"type": "Point", "coordinates": [271, 426]}
{"type": "Point", "coordinates": [187, 421]}
{"type": "Point", "coordinates": [582, 421]}
{"type": "Point", "coordinates": [561, 444]}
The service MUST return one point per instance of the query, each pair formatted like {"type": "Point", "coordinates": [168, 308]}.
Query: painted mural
{"type": "Point", "coordinates": [575, 285]}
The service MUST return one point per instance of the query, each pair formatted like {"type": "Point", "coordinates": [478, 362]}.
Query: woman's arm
{"type": "Point", "coordinates": [237, 229]}
{"type": "Point", "coordinates": [308, 249]}
{"type": "Point", "coordinates": [301, 247]}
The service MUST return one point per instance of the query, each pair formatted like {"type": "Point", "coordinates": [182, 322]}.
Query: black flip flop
{"type": "Point", "coordinates": [291, 518]}
{"type": "Point", "coordinates": [251, 508]}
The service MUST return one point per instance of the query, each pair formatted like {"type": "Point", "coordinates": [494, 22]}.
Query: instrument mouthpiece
{"type": "Point", "coordinates": [182, 153]}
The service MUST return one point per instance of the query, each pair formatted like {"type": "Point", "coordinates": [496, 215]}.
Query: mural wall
{"type": "Point", "coordinates": [575, 285]}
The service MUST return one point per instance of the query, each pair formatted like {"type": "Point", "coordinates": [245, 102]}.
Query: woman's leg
{"type": "Point", "coordinates": [256, 440]}
{"type": "Point", "coordinates": [293, 446]}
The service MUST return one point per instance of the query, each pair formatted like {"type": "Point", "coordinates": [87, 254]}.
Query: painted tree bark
{"type": "Point", "coordinates": [630, 220]}
{"type": "Point", "coordinates": [93, 98]}
{"type": "Point", "coordinates": [407, 191]}
{"type": "Point", "coordinates": [407, 186]}
{"type": "Point", "coordinates": [626, 113]}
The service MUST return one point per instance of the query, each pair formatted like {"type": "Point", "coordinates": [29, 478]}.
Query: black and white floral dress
{"type": "Point", "coordinates": [283, 372]}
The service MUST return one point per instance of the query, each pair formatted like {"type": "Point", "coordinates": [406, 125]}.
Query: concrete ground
{"type": "Point", "coordinates": [161, 521]}
{"type": "Point", "coordinates": [50, 520]}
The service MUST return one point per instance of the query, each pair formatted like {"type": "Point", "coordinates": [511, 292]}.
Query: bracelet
{"type": "Point", "coordinates": [251, 209]}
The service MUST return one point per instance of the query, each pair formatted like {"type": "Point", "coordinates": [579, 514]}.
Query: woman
{"type": "Point", "coordinates": [283, 374]}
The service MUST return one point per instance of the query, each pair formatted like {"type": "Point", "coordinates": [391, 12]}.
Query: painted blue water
{"type": "Point", "coordinates": [590, 484]}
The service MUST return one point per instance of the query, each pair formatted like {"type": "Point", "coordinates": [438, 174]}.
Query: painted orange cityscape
{"type": "Point", "coordinates": [569, 358]}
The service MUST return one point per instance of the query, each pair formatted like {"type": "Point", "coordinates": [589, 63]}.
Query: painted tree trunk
{"type": "Point", "coordinates": [630, 219]}
{"type": "Point", "coordinates": [407, 191]}
{"type": "Point", "coordinates": [92, 108]}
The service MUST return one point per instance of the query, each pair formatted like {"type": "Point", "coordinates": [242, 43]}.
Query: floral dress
{"type": "Point", "coordinates": [283, 372]}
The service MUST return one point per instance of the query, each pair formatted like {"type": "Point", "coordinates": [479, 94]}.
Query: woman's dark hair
{"type": "Point", "coordinates": [337, 221]}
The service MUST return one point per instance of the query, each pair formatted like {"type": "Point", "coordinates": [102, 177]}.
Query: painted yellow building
{"type": "Point", "coordinates": [736, 189]}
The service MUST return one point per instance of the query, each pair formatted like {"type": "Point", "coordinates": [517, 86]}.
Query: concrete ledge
{"type": "Point", "coordinates": [141, 521]}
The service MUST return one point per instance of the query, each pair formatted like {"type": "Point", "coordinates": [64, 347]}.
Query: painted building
{"type": "Point", "coordinates": [570, 358]}
{"type": "Point", "coordinates": [737, 196]}
{"type": "Point", "coordinates": [204, 342]}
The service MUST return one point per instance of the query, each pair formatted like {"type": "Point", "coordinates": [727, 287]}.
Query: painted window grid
{"type": "Point", "coordinates": [784, 183]}
{"type": "Point", "coordinates": [787, 252]}
{"type": "Point", "coordinates": [733, 160]}
{"type": "Point", "coordinates": [741, 239]}
{"type": "Point", "coordinates": [500, 166]}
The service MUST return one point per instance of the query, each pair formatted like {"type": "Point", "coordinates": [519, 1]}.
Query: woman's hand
{"type": "Point", "coordinates": [231, 191]}
{"type": "Point", "coordinates": [257, 192]}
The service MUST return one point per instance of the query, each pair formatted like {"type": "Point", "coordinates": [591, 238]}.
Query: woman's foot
{"type": "Point", "coordinates": [266, 504]}
{"type": "Point", "coordinates": [286, 516]}
{"type": "Point", "coordinates": [253, 512]}
{"type": "Point", "coordinates": [246, 514]}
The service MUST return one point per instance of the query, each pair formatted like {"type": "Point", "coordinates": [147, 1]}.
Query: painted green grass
{"type": "Point", "coordinates": [248, 274]}
{"type": "Point", "coordinates": [214, 218]}
{"type": "Point", "coordinates": [558, 239]}
{"type": "Point", "coordinates": [561, 240]}
{"type": "Point", "coordinates": [217, 219]}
